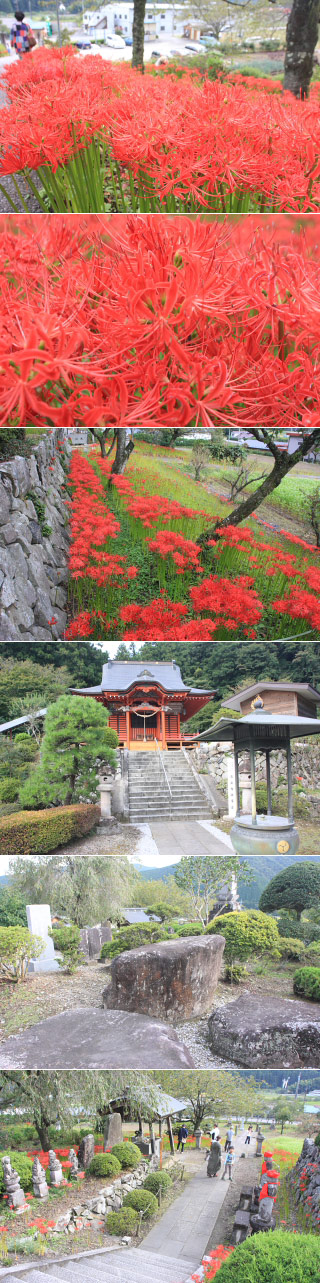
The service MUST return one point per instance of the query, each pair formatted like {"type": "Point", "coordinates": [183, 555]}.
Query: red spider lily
{"type": "Point", "coordinates": [184, 552]}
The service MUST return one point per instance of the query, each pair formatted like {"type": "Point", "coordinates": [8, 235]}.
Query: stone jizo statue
{"type": "Point", "coordinates": [39, 1182]}
{"type": "Point", "coordinates": [16, 1197]}
{"type": "Point", "coordinates": [56, 1175]}
{"type": "Point", "coordinates": [264, 1219]}
{"type": "Point", "coordinates": [74, 1165]}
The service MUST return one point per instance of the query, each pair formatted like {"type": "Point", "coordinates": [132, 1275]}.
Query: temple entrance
{"type": "Point", "coordinates": [144, 729]}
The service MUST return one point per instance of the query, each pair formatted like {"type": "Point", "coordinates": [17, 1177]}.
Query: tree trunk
{"type": "Point", "coordinates": [123, 451]}
{"type": "Point", "coordinates": [42, 1127]}
{"type": "Point", "coordinates": [139, 10]}
{"type": "Point", "coordinates": [301, 40]}
{"type": "Point", "coordinates": [283, 463]}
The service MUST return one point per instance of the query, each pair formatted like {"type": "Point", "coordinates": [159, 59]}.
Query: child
{"type": "Point", "coordinates": [228, 1163]}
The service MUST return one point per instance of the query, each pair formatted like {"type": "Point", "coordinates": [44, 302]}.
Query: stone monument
{"type": "Point", "coordinates": [112, 1131]}
{"type": "Point", "coordinates": [56, 1173]}
{"type": "Point", "coordinates": [74, 1170]}
{"type": "Point", "coordinates": [259, 1140]}
{"type": "Point", "coordinates": [16, 1199]}
{"type": "Point", "coordinates": [86, 1151]}
{"type": "Point", "coordinates": [39, 923]}
{"type": "Point", "coordinates": [40, 1188]}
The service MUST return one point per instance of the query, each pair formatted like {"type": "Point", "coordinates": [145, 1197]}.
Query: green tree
{"type": "Point", "coordinates": [12, 908]}
{"type": "Point", "coordinates": [26, 686]}
{"type": "Point", "coordinates": [84, 890]}
{"type": "Point", "coordinates": [293, 890]}
{"type": "Point", "coordinates": [283, 1113]}
{"type": "Point", "coordinates": [282, 465]}
{"type": "Point", "coordinates": [82, 660]}
{"type": "Point", "coordinates": [207, 878]}
{"type": "Point", "coordinates": [51, 1097]}
{"type": "Point", "coordinates": [246, 933]}
{"type": "Point", "coordinates": [213, 1093]}
{"type": "Point", "coordinates": [74, 745]}
{"type": "Point", "coordinates": [17, 947]}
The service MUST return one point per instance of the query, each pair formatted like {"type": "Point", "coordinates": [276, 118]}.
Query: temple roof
{"type": "Point", "coordinates": [121, 675]}
{"type": "Point", "coordinates": [249, 692]}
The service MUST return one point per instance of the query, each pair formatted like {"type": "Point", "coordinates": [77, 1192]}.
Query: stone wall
{"type": "Point", "coordinates": [109, 1199]}
{"type": "Point", "coordinates": [304, 1182]}
{"type": "Point", "coordinates": [33, 559]}
{"type": "Point", "coordinates": [305, 764]}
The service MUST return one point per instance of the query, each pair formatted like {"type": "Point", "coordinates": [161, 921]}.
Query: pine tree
{"type": "Point", "coordinates": [75, 744]}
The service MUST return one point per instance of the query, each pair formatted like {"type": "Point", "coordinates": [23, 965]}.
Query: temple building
{"type": "Point", "coordinates": [147, 703]}
{"type": "Point", "coordinates": [296, 698]}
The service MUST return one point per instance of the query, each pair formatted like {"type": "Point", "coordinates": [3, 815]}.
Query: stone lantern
{"type": "Point", "coordinates": [263, 732]}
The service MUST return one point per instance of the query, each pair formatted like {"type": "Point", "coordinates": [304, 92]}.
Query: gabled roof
{"type": "Point", "coordinates": [249, 692]}
{"type": "Point", "coordinates": [22, 721]}
{"type": "Point", "coordinates": [120, 675]}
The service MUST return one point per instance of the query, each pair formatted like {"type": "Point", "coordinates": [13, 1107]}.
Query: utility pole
{"type": "Point", "coordinates": [58, 23]}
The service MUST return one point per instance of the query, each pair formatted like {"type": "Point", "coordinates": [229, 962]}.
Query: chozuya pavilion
{"type": "Point", "coordinates": [147, 703]}
{"type": "Point", "coordinates": [279, 712]}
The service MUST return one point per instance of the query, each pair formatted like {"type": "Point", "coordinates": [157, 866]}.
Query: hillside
{"type": "Point", "coordinates": [262, 869]}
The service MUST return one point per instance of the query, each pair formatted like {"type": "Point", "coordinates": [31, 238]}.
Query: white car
{"type": "Point", "coordinates": [114, 42]}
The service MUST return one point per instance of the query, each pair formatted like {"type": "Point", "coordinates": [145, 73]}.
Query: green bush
{"type": "Point", "coordinates": [29, 832]}
{"type": "Point", "coordinates": [67, 941]}
{"type": "Point", "coordinates": [13, 911]}
{"type": "Point", "coordinates": [142, 1200]}
{"type": "Point", "coordinates": [189, 929]}
{"type": "Point", "coordinates": [306, 983]}
{"type": "Point", "coordinates": [22, 1165]}
{"type": "Point", "coordinates": [281, 1257]}
{"type": "Point", "coordinates": [128, 1154]}
{"type": "Point", "coordinates": [104, 1165]}
{"type": "Point", "coordinates": [306, 931]}
{"type": "Point", "coordinates": [132, 937]}
{"type": "Point", "coordinates": [9, 789]}
{"type": "Point", "coordinates": [246, 933]}
{"type": "Point", "coordinates": [12, 441]}
{"type": "Point", "coordinates": [110, 737]}
{"type": "Point", "coordinates": [22, 1136]}
{"type": "Point", "coordinates": [312, 953]}
{"type": "Point", "coordinates": [17, 947]}
{"type": "Point", "coordinates": [292, 948]}
{"type": "Point", "coordinates": [124, 1222]}
{"type": "Point", "coordinates": [156, 1181]}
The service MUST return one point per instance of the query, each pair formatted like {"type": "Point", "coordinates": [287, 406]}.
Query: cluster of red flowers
{"type": "Point", "coordinates": [212, 1263]}
{"type": "Point", "coordinates": [196, 140]}
{"type": "Point", "coordinates": [91, 525]}
{"type": "Point", "coordinates": [157, 321]}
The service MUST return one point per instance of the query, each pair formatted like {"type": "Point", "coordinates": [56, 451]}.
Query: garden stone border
{"type": "Point", "coordinates": [34, 567]}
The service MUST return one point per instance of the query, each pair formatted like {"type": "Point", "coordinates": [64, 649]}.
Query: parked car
{"type": "Point", "coordinates": [113, 41]}
{"type": "Point", "coordinates": [128, 40]}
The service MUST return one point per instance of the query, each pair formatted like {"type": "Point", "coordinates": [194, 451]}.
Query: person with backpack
{"type": "Point", "coordinates": [182, 1137]}
{"type": "Point", "coordinates": [21, 35]}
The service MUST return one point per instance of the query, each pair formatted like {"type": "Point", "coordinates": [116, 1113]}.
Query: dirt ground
{"type": "Point", "coordinates": [246, 1172]}
{"type": "Point", "coordinates": [47, 995]}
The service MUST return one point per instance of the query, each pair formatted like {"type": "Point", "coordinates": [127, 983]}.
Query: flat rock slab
{"type": "Point", "coordinates": [172, 980]}
{"type": "Point", "coordinates": [92, 1038]}
{"type": "Point", "coordinates": [258, 1032]}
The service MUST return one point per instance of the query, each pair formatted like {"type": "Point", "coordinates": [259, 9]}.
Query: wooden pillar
{"type": "Point", "coordinates": [289, 771]}
{"type": "Point", "coordinates": [269, 782]}
{"type": "Point", "coordinates": [160, 1127]}
{"type": "Point", "coordinates": [163, 728]}
{"type": "Point", "coordinates": [237, 785]}
{"type": "Point", "coordinates": [170, 1134]}
{"type": "Point", "coordinates": [253, 784]}
{"type": "Point", "coordinates": [128, 726]}
{"type": "Point", "coordinates": [151, 1136]}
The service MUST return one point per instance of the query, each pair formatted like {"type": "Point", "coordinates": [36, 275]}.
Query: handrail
{"type": "Point", "coordinates": [164, 771]}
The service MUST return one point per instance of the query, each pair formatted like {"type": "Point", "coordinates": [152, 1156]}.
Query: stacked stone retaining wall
{"type": "Point", "coordinates": [34, 542]}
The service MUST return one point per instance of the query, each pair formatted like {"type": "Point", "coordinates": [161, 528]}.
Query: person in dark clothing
{"type": "Point", "coordinates": [182, 1136]}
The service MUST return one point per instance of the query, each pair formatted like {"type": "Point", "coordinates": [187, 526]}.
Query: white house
{"type": "Point", "coordinates": [160, 20]}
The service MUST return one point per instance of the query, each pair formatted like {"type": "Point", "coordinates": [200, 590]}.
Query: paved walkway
{"type": "Point", "coordinates": [175, 839]}
{"type": "Point", "coordinates": [184, 1230]}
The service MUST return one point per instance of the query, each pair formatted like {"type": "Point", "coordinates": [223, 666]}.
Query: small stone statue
{"type": "Point", "coordinates": [74, 1165]}
{"type": "Point", "coordinates": [16, 1197]}
{"type": "Point", "coordinates": [263, 1219]}
{"type": "Point", "coordinates": [56, 1175]}
{"type": "Point", "coordinates": [259, 1143]}
{"type": "Point", "coordinates": [40, 1188]}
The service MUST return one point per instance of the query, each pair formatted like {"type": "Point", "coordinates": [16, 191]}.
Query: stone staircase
{"type": "Point", "coordinates": [162, 787]}
{"type": "Point", "coordinates": [124, 1266]}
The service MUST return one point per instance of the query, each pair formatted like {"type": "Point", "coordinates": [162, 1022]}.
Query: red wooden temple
{"type": "Point", "coordinates": [147, 702]}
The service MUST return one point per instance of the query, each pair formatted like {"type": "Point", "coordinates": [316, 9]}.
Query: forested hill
{"type": "Point", "coordinates": [263, 870]}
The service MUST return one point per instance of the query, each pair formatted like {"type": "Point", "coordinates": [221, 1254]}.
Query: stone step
{"type": "Point", "coordinates": [129, 1266]}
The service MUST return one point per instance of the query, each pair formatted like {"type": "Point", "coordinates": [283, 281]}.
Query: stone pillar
{"type": "Point", "coordinates": [232, 800]}
{"type": "Point", "coordinates": [86, 1151]}
{"type": "Point", "coordinates": [106, 790]}
{"type": "Point", "coordinates": [246, 802]}
{"type": "Point", "coordinates": [259, 1144]}
{"type": "Point", "coordinates": [39, 923]}
{"type": "Point", "coordinates": [198, 1135]}
{"type": "Point", "coordinates": [112, 1131]}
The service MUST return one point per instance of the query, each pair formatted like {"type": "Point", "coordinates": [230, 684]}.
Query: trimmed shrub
{"type": "Point", "coordinates": [22, 1165]}
{"type": "Point", "coordinates": [9, 789]}
{"type": "Point", "coordinates": [17, 947]}
{"type": "Point", "coordinates": [306, 983]}
{"type": "Point", "coordinates": [124, 1222]}
{"type": "Point", "coordinates": [291, 927]}
{"type": "Point", "coordinates": [292, 948]}
{"type": "Point", "coordinates": [30, 832]}
{"type": "Point", "coordinates": [312, 954]}
{"type": "Point", "coordinates": [132, 937]}
{"type": "Point", "coordinates": [104, 1165]}
{"type": "Point", "coordinates": [156, 1181]}
{"type": "Point", "coordinates": [127, 1154]}
{"type": "Point", "coordinates": [110, 737]}
{"type": "Point", "coordinates": [282, 1256]}
{"type": "Point", "coordinates": [142, 1200]}
{"type": "Point", "coordinates": [189, 929]}
{"type": "Point", "coordinates": [67, 941]}
{"type": "Point", "coordinates": [246, 933]}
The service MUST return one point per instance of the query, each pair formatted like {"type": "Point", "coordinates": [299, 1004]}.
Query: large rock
{"type": "Point", "coordinates": [90, 1038]}
{"type": "Point", "coordinates": [86, 1151]}
{"type": "Point", "coordinates": [175, 979]}
{"type": "Point", "coordinates": [112, 1131]}
{"type": "Point", "coordinates": [258, 1032]}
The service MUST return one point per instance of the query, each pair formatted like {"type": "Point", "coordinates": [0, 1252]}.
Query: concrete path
{"type": "Point", "coordinates": [184, 1230]}
{"type": "Point", "coordinates": [175, 839]}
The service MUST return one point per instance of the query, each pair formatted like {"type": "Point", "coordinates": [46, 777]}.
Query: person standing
{"type": "Point", "coordinates": [228, 1164]}
{"type": "Point", "coordinates": [248, 1136]}
{"type": "Point", "coordinates": [215, 1134]}
{"type": "Point", "coordinates": [229, 1138]}
{"type": "Point", "coordinates": [21, 35]}
{"type": "Point", "coordinates": [182, 1136]}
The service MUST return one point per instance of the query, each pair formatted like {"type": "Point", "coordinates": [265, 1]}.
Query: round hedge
{"type": "Point", "coordinates": [282, 1257]}
{"type": "Point", "coordinates": [22, 1165]}
{"type": "Point", "coordinates": [142, 1200]}
{"type": "Point", "coordinates": [104, 1165]}
{"type": "Point", "coordinates": [156, 1181]}
{"type": "Point", "coordinates": [128, 1154]}
{"type": "Point", "coordinates": [306, 983]}
{"type": "Point", "coordinates": [124, 1222]}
